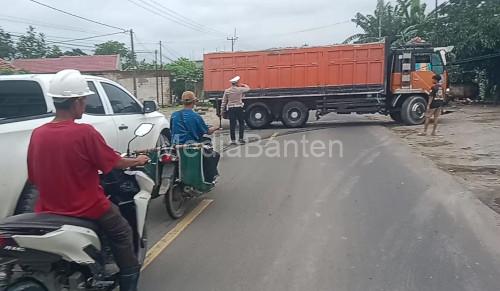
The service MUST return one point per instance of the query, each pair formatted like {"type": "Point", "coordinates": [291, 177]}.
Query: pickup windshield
{"type": "Point", "coordinates": [20, 99]}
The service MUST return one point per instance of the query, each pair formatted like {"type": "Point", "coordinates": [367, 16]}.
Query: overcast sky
{"type": "Point", "coordinates": [199, 25]}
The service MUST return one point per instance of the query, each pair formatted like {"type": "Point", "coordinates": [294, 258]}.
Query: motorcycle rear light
{"type": "Point", "coordinates": [166, 158]}
{"type": "Point", "coordinates": [5, 240]}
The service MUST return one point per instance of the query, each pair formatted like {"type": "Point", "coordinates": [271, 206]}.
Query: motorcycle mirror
{"type": "Point", "coordinates": [143, 129]}
{"type": "Point", "coordinates": [140, 131]}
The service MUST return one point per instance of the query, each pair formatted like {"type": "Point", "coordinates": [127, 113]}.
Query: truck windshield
{"type": "Point", "coordinates": [437, 64]}
{"type": "Point", "coordinates": [19, 98]}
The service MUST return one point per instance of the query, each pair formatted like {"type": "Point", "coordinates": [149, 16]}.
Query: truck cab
{"type": "Point", "coordinates": [412, 68]}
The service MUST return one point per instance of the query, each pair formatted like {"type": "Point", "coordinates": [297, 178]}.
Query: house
{"type": "Point", "coordinates": [85, 64]}
{"type": "Point", "coordinates": [107, 66]}
{"type": "Point", "coordinates": [6, 66]}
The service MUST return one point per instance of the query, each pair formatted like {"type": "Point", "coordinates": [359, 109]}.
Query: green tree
{"type": "Point", "coordinates": [31, 45]}
{"type": "Point", "coordinates": [7, 49]}
{"type": "Point", "coordinates": [144, 65]}
{"type": "Point", "coordinates": [472, 27]}
{"type": "Point", "coordinates": [54, 52]}
{"type": "Point", "coordinates": [74, 52]}
{"type": "Point", "coordinates": [384, 22]}
{"type": "Point", "coordinates": [185, 74]}
{"type": "Point", "coordinates": [116, 48]}
{"type": "Point", "coordinates": [398, 23]}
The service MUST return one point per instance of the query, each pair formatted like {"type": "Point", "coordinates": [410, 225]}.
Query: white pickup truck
{"type": "Point", "coordinates": [25, 105]}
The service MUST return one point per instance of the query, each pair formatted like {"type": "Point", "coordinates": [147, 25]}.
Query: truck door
{"type": "Point", "coordinates": [97, 115]}
{"type": "Point", "coordinates": [422, 72]}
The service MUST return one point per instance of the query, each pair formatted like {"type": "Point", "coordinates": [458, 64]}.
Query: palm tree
{"type": "Point", "coordinates": [397, 23]}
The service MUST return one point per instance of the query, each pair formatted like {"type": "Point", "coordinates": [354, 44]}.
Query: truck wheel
{"type": "Point", "coordinates": [413, 110]}
{"type": "Point", "coordinates": [258, 116]}
{"type": "Point", "coordinates": [294, 114]}
{"type": "Point", "coordinates": [26, 203]}
{"type": "Point", "coordinates": [396, 116]}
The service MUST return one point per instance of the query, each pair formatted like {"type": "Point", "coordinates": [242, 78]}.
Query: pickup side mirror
{"type": "Point", "coordinates": [149, 106]}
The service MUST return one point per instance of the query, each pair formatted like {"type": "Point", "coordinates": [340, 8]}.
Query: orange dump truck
{"type": "Point", "coordinates": [286, 84]}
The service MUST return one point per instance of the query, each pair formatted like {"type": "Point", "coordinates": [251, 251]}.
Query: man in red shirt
{"type": "Point", "coordinates": [63, 162]}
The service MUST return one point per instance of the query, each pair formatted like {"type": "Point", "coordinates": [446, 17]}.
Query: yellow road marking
{"type": "Point", "coordinates": [273, 136]}
{"type": "Point", "coordinates": [166, 240]}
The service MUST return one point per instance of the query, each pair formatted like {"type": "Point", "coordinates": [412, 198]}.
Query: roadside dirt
{"type": "Point", "coordinates": [467, 146]}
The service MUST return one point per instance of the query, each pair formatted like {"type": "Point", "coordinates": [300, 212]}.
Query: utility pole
{"type": "Point", "coordinates": [233, 39]}
{"type": "Point", "coordinates": [379, 26]}
{"type": "Point", "coordinates": [156, 74]}
{"type": "Point", "coordinates": [134, 62]}
{"type": "Point", "coordinates": [436, 25]}
{"type": "Point", "coordinates": [161, 76]}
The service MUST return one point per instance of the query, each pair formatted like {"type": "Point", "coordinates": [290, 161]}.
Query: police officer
{"type": "Point", "coordinates": [232, 102]}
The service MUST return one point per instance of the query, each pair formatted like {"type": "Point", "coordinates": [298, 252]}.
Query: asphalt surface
{"type": "Point", "coordinates": [378, 218]}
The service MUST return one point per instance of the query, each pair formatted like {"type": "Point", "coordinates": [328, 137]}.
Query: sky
{"type": "Point", "coordinates": [189, 28]}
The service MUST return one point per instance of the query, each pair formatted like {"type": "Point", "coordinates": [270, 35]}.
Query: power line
{"type": "Point", "coordinates": [77, 16]}
{"type": "Point", "coordinates": [173, 52]}
{"type": "Point", "coordinates": [42, 24]}
{"type": "Point", "coordinates": [476, 59]}
{"type": "Point", "coordinates": [59, 41]}
{"type": "Point", "coordinates": [233, 39]}
{"type": "Point", "coordinates": [162, 14]}
{"type": "Point", "coordinates": [165, 57]}
{"type": "Point", "coordinates": [61, 44]}
{"type": "Point", "coordinates": [85, 38]}
{"type": "Point", "coordinates": [178, 15]}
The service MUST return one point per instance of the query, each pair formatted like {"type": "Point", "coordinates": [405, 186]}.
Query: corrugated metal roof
{"type": "Point", "coordinates": [97, 63]}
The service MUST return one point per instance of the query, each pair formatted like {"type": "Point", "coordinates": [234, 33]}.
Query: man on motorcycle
{"type": "Point", "coordinates": [189, 127]}
{"type": "Point", "coordinates": [64, 158]}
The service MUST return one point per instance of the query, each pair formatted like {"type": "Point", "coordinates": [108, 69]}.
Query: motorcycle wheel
{"type": "Point", "coordinates": [27, 285]}
{"type": "Point", "coordinates": [175, 202]}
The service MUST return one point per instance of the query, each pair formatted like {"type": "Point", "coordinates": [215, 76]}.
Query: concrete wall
{"type": "Point", "coordinates": [146, 84]}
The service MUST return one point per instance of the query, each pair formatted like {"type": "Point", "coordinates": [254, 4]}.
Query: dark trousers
{"type": "Point", "coordinates": [236, 114]}
{"type": "Point", "coordinates": [210, 161]}
{"type": "Point", "coordinates": [119, 233]}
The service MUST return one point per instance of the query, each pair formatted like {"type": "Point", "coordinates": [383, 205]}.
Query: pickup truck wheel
{"type": "Point", "coordinates": [26, 285]}
{"type": "Point", "coordinates": [413, 110]}
{"type": "Point", "coordinates": [258, 116]}
{"type": "Point", "coordinates": [26, 203]}
{"type": "Point", "coordinates": [396, 116]}
{"type": "Point", "coordinates": [294, 114]}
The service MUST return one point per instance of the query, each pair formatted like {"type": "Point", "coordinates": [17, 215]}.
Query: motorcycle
{"type": "Point", "coordinates": [182, 175]}
{"type": "Point", "coordinates": [40, 251]}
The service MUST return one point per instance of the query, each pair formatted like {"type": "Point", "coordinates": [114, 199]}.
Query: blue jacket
{"type": "Point", "coordinates": [189, 129]}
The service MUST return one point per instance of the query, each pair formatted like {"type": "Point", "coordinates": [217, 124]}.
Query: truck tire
{"type": "Point", "coordinates": [413, 110]}
{"type": "Point", "coordinates": [396, 116]}
{"type": "Point", "coordinates": [294, 114]}
{"type": "Point", "coordinates": [258, 116]}
{"type": "Point", "coordinates": [27, 200]}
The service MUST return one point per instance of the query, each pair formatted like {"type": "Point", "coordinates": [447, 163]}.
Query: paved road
{"type": "Point", "coordinates": [378, 218]}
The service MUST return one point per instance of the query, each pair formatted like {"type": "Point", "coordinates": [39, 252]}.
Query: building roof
{"type": "Point", "coordinates": [98, 63]}
{"type": "Point", "coordinates": [4, 65]}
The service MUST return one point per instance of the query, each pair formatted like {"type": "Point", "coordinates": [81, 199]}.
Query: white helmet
{"type": "Point", "coordinates": [235, 79]}
{"type": "Point", "coordinates": [68, 84]}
